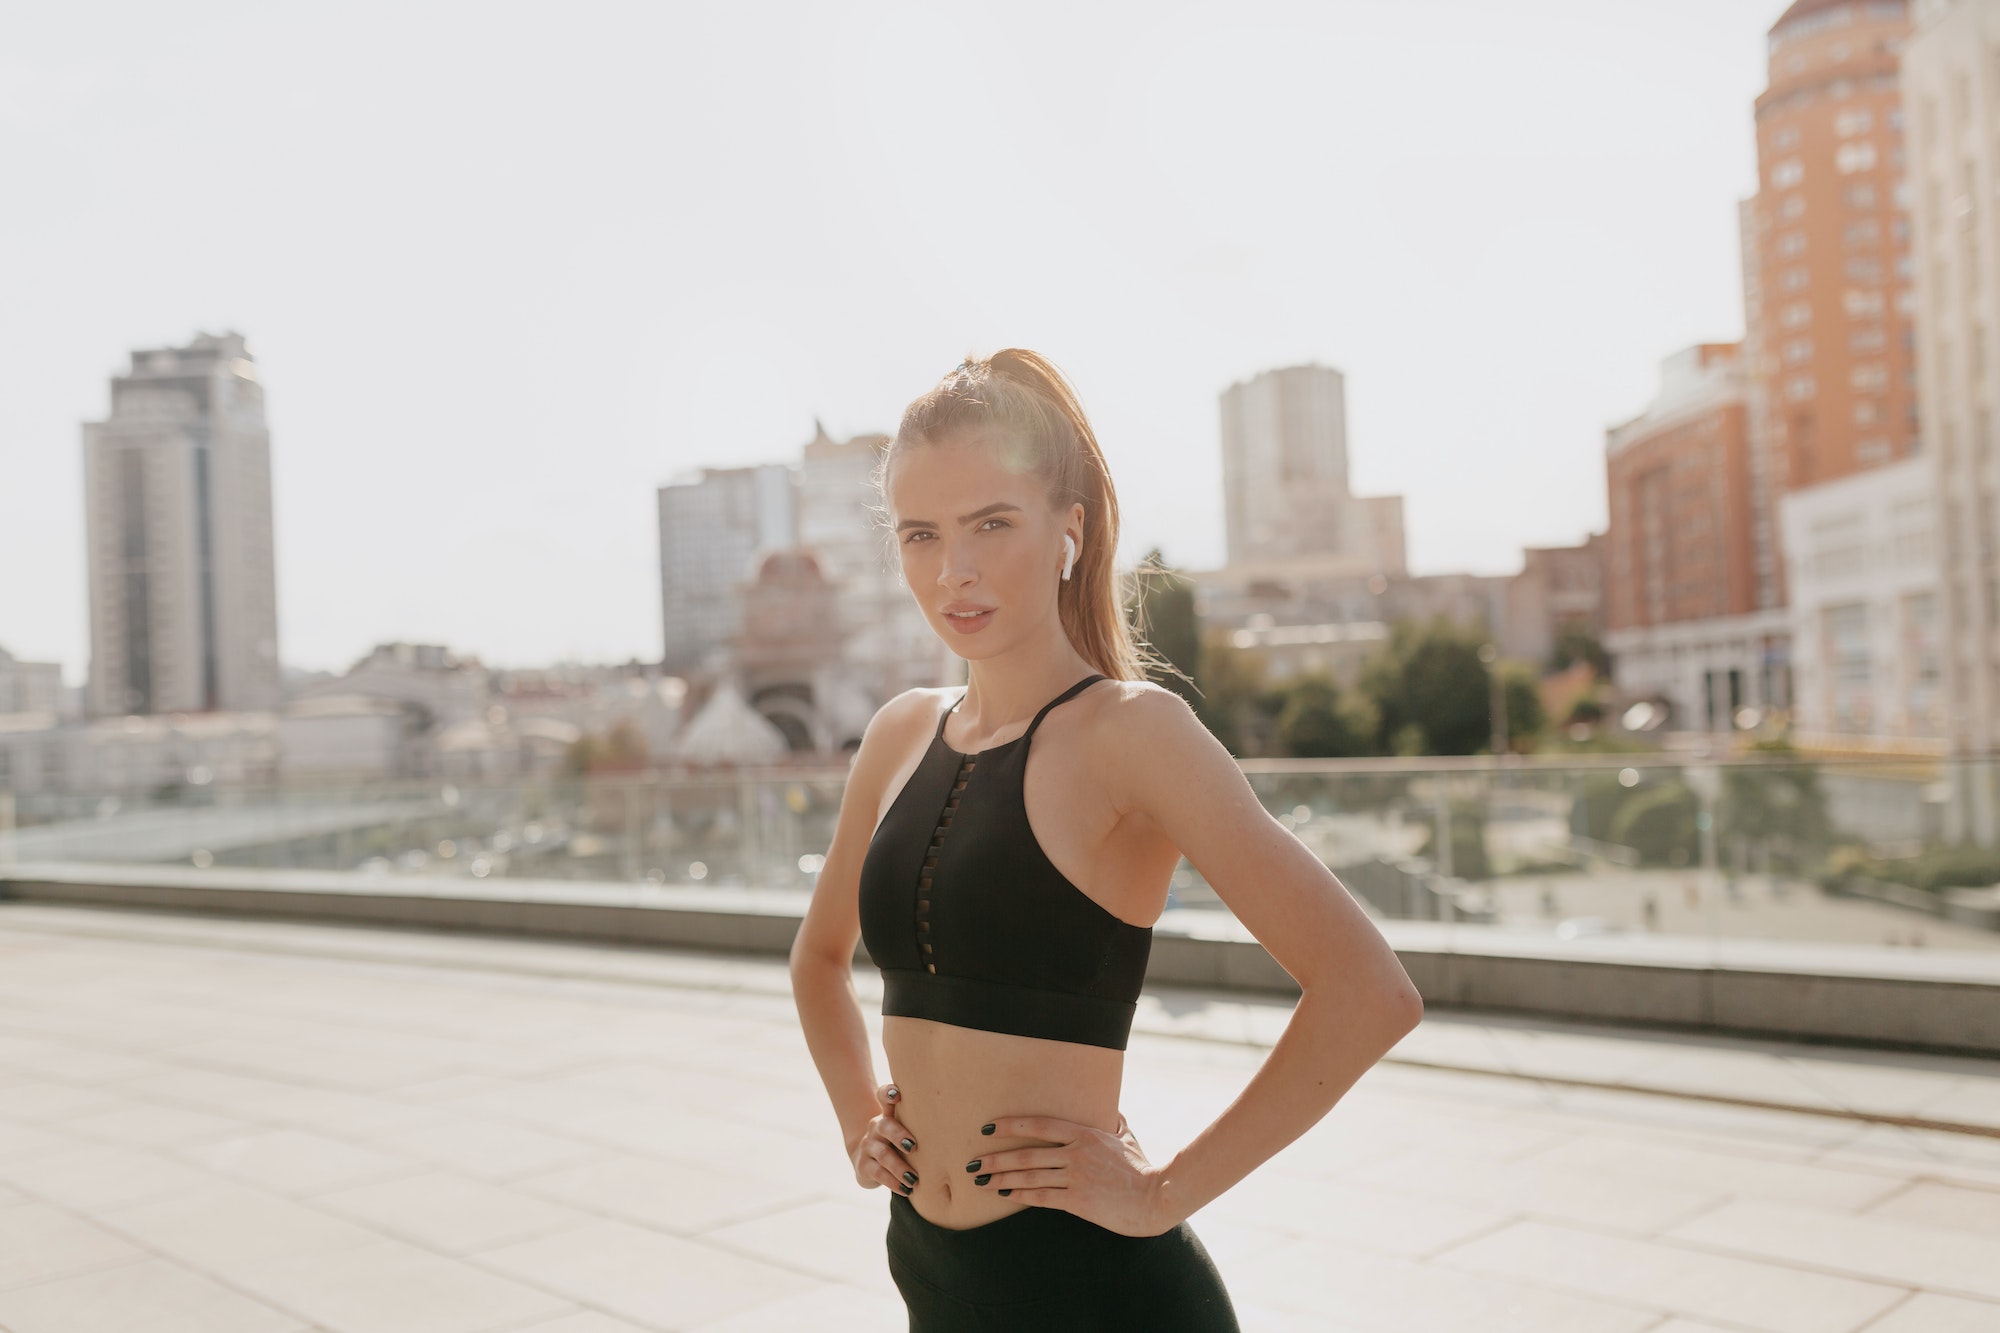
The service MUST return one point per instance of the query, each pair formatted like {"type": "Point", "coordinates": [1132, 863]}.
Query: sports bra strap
{"type": "Point", "coordinates": [1066, 695]}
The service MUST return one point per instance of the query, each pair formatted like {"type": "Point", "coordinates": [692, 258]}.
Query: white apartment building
{"type": "Point", "coordinates": [30, 687]}
{"type": "Point", "coordinates": [183, 582]}
{"type": "Point", "coordinates": [885, 636]}
{"type": "Point", "coordinates": [1285, 480]}
{"type": "Point", "coordinates": [713, 528]}
{"type": "Point", "coordinates": [1861, 562]}
{"type": "Point", "coordinates": [1951, 89]}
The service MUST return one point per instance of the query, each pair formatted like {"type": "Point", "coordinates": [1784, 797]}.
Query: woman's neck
{"type": "Point", "coordinates": [1002, 693]}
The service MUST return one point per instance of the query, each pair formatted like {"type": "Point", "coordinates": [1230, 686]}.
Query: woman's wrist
{"type": "Point", "coordinates": [1161, 1206]}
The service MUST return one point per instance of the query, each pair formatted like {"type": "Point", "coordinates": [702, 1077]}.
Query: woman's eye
{"type": "Point", "coordinates": [1001, 521]}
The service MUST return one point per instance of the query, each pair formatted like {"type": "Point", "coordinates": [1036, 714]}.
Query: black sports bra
{"type": "Point", "coordinates": [973, 925]}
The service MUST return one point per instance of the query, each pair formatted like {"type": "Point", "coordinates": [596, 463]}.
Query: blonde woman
{"type": "Point", "coordinates": [1003, 853]}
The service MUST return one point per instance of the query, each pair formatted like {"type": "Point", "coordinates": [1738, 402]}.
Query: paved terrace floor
{"type": "Point", "coordinates": [229, 1127]}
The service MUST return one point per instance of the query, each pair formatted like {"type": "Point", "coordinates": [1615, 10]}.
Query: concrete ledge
{"type": "Point", "coordinates": [1908, 999]}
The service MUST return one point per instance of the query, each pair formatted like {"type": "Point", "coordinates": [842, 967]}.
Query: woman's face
{"type": "Point", "coordinates": [982, 552]}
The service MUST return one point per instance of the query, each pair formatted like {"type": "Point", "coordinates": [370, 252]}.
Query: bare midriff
{"type": "Point", "coordinates": [954, 1079]}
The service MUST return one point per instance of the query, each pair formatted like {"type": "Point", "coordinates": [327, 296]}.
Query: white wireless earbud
{"type": "Point", "coordinates": [1069, 554]}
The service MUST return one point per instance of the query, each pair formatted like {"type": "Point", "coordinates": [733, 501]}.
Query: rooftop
{"type": "Point", "coordinates": [224, 1125]}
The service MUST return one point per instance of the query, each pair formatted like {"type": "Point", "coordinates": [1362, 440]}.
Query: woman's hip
{"type": "Point", "coordinates": [1048, 1270]}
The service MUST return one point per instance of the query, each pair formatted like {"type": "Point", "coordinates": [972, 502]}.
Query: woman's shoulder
{"type": "Point", "coordinates": [918, 705]}
{"type": "Point", "coordinates": [1139, 713]}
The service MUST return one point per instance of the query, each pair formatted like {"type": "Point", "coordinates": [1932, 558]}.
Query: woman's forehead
{"type": "Point", "coordinates": [921, 473]}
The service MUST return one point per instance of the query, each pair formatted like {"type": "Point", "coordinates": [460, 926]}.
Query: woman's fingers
{"type": "Point", "coordinates": [1041, 1178]}
{"type": "Point", "coordinates": [893, 1133]}
{"type": "Point", "coordinates": [1050, 1129]}
{"type": "Point", "coordinates": [1018, 1159]}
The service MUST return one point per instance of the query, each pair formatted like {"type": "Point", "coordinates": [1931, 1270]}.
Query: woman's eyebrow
{"type": "Point", "coordinates": [1001, 507]}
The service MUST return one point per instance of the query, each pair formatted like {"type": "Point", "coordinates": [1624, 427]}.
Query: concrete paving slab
{"type": "Point", "coordinates": [151, 1296]}
{"type": "Point", "coordinates": [1936, 1258]}
{"type": "Point", "coordinates": [1935, 1203]}
{"type": "Point", "coordinates": [448, 1213]}
{"type": "Point", "coordinates": [1678, 1279]}
{"type": "Point", "coordinates": [659, 1115]}
{"type": "Point", "coordinates": [38, 1243]}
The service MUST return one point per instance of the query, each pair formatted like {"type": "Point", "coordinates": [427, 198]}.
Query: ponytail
{"type": "Point", "coordinates": [1020, 402]}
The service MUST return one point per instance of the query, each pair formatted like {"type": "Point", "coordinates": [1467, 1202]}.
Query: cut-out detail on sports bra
{"type": "Point", "coordinates": [1002, 940]}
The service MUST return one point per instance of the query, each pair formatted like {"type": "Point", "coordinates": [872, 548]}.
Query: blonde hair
{"type": "Point", "coordinates": [1017, 402]}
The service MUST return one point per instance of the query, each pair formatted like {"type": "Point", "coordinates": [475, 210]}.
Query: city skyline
{"type": "Point", "coordinates": [483, 389]}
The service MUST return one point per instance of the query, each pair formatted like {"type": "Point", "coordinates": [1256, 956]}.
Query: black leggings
{"type": "Point", "coordinates": [1042, 1270]}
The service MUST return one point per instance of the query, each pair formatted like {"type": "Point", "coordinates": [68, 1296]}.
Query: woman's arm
{"type": "Point", "coordinates": [822, 957]}
{"type": "Point", "coordinates": [1357, 1000]}
{"type": "Point", "coordinates": [1159, 766]}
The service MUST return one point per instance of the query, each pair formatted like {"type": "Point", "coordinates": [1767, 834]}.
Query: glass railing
{"type": "Point", "coordinates": [1895, 853]}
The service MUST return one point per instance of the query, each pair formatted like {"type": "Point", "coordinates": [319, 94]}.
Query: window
{"type": "Point", "coordinates": [1867, 340]}
{"type": "Point", "coordinates": [1799, 387]}
{"type": "Point", "coordinates": [1796, 315]}
{"type": "Point", "coordinates": [1863, 305]}
{"type": "Point", "coordinates": [1794, 280]}
{"type": "Point", "coordinates": [1798, 350]}
{"type": "Point", "coordinates": [1785, 138]}
{"type": "Point", "coordinates": [1788, 173]}
{"type": "Point", "coordinates": [1850, 123]}
{"type": "Point", "coordinates": [1870, 377]}
{"type": "Point", "coordinates": [1866, 412]}
{"type": "Point", "coordinates": [1793, 207]}
{"type": "Point", "coordinates": [1863, 233]}
{"type": "Point", "coordinates": [1874, 449]}
{"type": "Point", "coordinates": [1860, 196]}
{"type": "Point", "coordinates": [1864, 270]}
{"type": "Point", "coordinates": [1853, 157]}
{"type": "Point", "coordinates": [1791, 245]}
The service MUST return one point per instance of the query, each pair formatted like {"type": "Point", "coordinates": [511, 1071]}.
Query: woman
{"type": "Point", "coordinates": [1003, 853]}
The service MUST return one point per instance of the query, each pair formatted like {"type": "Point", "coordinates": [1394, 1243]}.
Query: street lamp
{"type": "Point", "coordinates": [1496, 698]}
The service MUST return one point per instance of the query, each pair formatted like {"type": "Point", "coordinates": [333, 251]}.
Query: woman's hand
{"type": "Point", "coordinates": [878, 1152]}
{"type": "Point", "coordinates": [1102, 1178]}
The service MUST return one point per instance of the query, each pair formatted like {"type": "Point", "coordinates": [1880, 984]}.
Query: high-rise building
{"type": "Point", "coordinates": [713, 528]}
{"type": "Point", "coordinates": [1284, 476]}
{"type": "Point", "coordinates": [183, 582]}
{"type": "Point", "coordinates": [1951, 84]}
{"type": "Point", "coordinates": [887, 639]}
{"type": "Point", "coordinates": [1862, 577]}
{"type": "Point", "coordinates": [1681, 608]}
{"type": "Point", "coordinates": [30, 687]}
{"type": "Point", "coordinates": [1829, 249]}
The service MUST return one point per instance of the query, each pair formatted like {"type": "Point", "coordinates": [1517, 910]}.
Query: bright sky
{"type": "Point", "coordinates": [507, 268]}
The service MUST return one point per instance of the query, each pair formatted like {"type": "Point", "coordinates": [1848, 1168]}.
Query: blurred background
{"type": "Point", "coordinates": [437, 439]}
{"type": "Point", "coordinates": [440, 599]}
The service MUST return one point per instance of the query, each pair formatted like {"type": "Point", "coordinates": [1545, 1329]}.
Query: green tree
{"type": "Point", "coordinates": [1780, 809]}
{"type": "Point", "coordinates": [1525, 716]}
{"type": "Point", "coordinates": [620, 750]}
{"type": "Point", "coordinates": [1575, 644]}
{"type": "Point", "coordinates": [1317, 721]}
{"type": "Point", "coordinates": [1161, 608]}
{"type": "Point", "coordinates": [1236, 701]}
{"type": "Point", "coordinates": [1430, 691]}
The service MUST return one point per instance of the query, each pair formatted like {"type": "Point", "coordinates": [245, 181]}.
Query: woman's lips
{"type": "Point", "coordinates": [969, 624]}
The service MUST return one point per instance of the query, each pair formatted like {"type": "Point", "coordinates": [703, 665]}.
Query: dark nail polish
{"type": "Point", "coordinates": [981, 1180]}
{"type": "Point", "coordinates": [909, 1144]}
{"type": "Point", "coordinates": [972, 1166]}
{"type": "Point", "coordinates": [906, 1190]}
{"type": "Point", "coordinates": [986, 1129]}
{"type": "Point", "coordinates": [910, 1177]}
{"type": "Point", "coordinates": [1005, 1193]}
